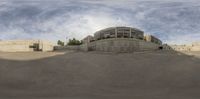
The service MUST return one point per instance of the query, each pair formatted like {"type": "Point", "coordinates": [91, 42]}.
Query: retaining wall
{"type": "Point", "coordinates": [121, 45]}
{"type": "Point", "coordinates": [116, 45]}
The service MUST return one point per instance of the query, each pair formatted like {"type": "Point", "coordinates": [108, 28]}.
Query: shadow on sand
{"type": "Point", "coordinates": [95, 75]}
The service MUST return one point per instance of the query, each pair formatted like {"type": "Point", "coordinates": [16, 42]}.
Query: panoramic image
{"type": "Point", "coordinates": [99, 49]}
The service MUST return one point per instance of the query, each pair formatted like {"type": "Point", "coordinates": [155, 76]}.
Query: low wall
{"type": "Point", "coordinates": [15, 48]}
{"type": "Point", "coordinates": [59, 47]}
{"type": "Point", "coordinates": [143, 45]}
{"type": "Point", "coordinates": [83, 47]}
{"type": "Point", "coordinates": [73, 47]}
{"type": "Point", "coordinates": [188, 47]}
{"type": "Point", "coordinates": [24, 45]}
{"type": "Point", "coordinates": [195, 48]}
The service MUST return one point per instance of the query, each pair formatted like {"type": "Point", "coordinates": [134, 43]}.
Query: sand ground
{"type": "Point", "coordinates": [97, 75]}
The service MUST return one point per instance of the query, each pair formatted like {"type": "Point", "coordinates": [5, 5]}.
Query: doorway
{"type": "Point", "coordinates": [35, 47]}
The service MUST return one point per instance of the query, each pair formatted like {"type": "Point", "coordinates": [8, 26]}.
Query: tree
{"type": "Point", "coordinates": [74, 42]}
{"type": "Point", "coordinates": [60, 43]}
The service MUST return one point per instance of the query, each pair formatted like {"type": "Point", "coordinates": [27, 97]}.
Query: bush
{"type": "Point", "coordinates": [60, 43]}
{"type": "Point", "coordinates": [74, 42]}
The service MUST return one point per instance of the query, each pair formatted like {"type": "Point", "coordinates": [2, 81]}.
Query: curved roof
{"type": "Point", "coordinates": [109, 28]}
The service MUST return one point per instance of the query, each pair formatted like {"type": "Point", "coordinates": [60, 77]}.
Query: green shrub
{"type": "Point", "coordinates": [74, 42]}
{"type": "Point", "coordinates": [60, 43]}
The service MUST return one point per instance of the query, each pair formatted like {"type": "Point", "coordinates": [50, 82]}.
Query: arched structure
{"type": "Point", "coordinates": [120, 39]}
{"type": "Point", "coordinates": [119, 32]}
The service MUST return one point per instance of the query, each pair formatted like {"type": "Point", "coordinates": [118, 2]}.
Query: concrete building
{"type": "Point", "coordinates": [25, 46]}
{"type": "Point", "coordinates": [88, 39]}
{"type": "Point", "coordinates": [119, 32]}
{"type": "Point", "coordinates": [119, 39]}
{"type": "Point", "coordinates": [151, 38]}
{"type": "Point", "coordinates": [167, 47]}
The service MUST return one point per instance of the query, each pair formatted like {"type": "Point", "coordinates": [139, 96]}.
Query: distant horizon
{"type": "Point", "coordinates": [65, 41]}
{"type": "Point", "coordinates": [172, 21]}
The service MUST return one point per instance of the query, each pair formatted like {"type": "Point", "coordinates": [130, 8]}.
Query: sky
{"type": "Point", "coordinates": [172, 21]}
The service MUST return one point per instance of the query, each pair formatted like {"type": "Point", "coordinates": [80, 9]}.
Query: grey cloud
{"type": "Point", "coordinates": [51, 19]}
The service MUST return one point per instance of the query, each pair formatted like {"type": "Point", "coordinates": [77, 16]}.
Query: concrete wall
{"type": "Point", "coordinates": [46, 46]}
{"type": "Point", "coordinates": [195, 48]}
{"type": "Point", "coordinates": [24, 45]}
{"type": "Point", "coordinates": [116, 45]}
{"type": "Point", "coordinates": [121, 45]}
{"type": "Point", "coordinates": [14, 48]}
{"type": "Point", "coordinates": [148, 45]}
{"type": "Point", "coordinates": [87, 39]}
{"type": "Point", "coordinates": [73, 47]}
{"type": "Point", "coordinates": [187, 47]}
{"type": "Point", "coordinates": [151, 38]}
{"type": "Point", "coordinates": [83, 47]}
{"type": "Point", "coordinates": [59, 47]}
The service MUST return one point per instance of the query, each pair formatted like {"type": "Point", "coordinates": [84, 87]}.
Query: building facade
{"type": "Point", "coordinates": [88, 39]}
{"type": "Point", "coordinates": [120, 39]}
{"type": "Point", "coordinates": [119, 32]}
{"type": "Point", "coordinates": [151, 38]}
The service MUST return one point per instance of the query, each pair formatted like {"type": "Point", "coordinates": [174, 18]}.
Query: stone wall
{"type": "Point", "coordinates": [143, 45]}
{"type": "Point", "coordinates": [73, 47]}
{"type": "Point", "coordinates": [116, 45]}
{"type": "Point", "coordinates": [121, 45]}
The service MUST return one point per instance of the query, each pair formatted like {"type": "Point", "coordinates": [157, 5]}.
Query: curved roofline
{"type": "Point", "coordinates": [118, 27]}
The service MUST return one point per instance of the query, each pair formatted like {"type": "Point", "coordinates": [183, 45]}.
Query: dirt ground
{"type": "Point", "coordinates": [97, 75]}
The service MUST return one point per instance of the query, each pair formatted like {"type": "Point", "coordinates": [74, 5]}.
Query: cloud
{"type": "Point", "coordinates": [172, 21]}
